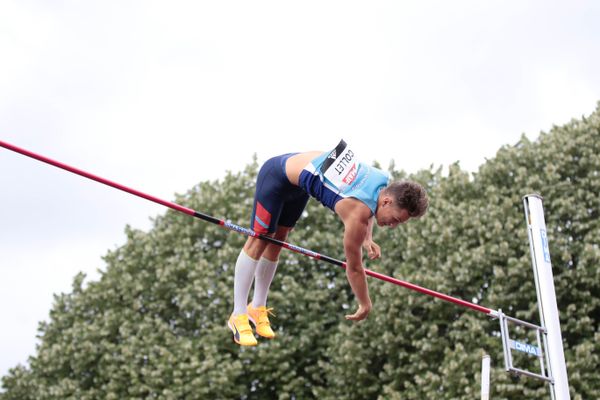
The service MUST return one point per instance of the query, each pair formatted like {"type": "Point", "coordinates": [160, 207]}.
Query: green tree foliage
{"type": "Point", "coordinates": [153, 325]}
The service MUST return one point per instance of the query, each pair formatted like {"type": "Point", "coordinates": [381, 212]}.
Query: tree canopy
{"type": "Point", "coordinates": [154, 324]}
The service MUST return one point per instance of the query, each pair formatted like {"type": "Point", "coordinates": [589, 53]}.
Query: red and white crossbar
{"type": "Point", "coordinates": [248, 232]}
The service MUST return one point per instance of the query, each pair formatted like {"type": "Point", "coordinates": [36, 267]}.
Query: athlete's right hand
{"type": "Point", "coordinates": [361, 313]}
{"type": "Point", "coordinates": [372, 248]}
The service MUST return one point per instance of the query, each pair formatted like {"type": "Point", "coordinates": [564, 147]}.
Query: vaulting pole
{"type": "Point", "coordinates": [248, 232]}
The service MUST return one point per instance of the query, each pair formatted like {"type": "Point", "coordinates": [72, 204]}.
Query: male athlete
{"type": "Point", "coordinates": [355, 191]}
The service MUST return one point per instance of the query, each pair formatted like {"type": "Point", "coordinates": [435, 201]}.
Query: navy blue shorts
{"type": "Point", "coordinates": [276, 200]}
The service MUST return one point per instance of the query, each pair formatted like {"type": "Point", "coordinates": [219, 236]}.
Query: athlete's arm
{"type": "Point", "coordinates": [372, 248]}
{"type": "Point", "coordinates": [355, 216]}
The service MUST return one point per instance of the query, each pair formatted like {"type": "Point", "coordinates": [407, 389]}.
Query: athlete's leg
{"type": "Point", "coordinates": [245, 268]}
{"type": "Point", "coordinates": [266, 267]}
{"type": "Point", "coordinates": [255, 247]}
{"type": "Point", "coordinates": [268, 204]}
{"type": "Point", "coordinates": [272, 250]}
{"type": "Point", "coordinates": [257, 310]}
{"type": "Point", "coordinates": [273, 190]}
{"type": "Point", "coordinates": [290, 213]}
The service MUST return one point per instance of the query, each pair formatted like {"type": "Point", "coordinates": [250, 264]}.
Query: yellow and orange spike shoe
{"type": "Point", "coordinates": [259, 316]}
{"type": "Point", "coordinates": [242, 332]}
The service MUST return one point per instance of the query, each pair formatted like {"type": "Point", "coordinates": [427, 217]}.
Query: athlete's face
{"type": "Point", "coordinates": [388, 214]}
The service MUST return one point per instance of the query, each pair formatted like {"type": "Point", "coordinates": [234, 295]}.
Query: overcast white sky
{"type": "Point", "coordinates": [162, 95]}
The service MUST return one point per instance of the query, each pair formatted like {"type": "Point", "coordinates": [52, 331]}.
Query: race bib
{"type": "Point", "coordinates": [341, 166]}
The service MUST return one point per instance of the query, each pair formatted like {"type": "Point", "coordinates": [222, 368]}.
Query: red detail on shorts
{"type": "Point", "coordinates": [264, 217]}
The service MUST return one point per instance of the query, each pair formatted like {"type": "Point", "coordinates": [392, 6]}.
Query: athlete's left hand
{"type": "Point", "coordinates": [373, 250]}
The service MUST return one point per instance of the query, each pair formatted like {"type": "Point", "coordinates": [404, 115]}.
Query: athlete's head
{"type": "Point", "coordinates": [399, 202]}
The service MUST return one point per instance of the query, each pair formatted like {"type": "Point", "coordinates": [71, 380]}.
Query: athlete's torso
{"type": "Point", "coordinates": [296, 163]}
{"type": "Point", "coordinates": [332, 176]}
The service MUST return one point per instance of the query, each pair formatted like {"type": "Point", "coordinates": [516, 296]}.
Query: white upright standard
{"type": "Point", "coordinates": [485, 377]}
{"type": "Point", "coordinates": [544, 281]}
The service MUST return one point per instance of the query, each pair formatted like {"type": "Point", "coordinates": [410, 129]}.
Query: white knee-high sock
{"type": "Point", "coordinates": [244, 274]}
{"type": "Point", "coordinates": [265, 271]}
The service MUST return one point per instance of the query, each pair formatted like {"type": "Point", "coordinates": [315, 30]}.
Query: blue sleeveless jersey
{"type": "Point", "coordinates": [356, 179]}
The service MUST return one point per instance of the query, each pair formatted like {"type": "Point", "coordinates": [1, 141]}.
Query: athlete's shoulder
{"type": "Point", "coordinates": [350, 207]}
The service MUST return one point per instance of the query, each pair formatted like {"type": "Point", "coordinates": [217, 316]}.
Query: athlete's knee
{"type": "Point", "coordinates": [282, 232]}
{"type": "Point", "coordinates": [272, 251]}
{"type": "Point", "coordinates": [255, 247]}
